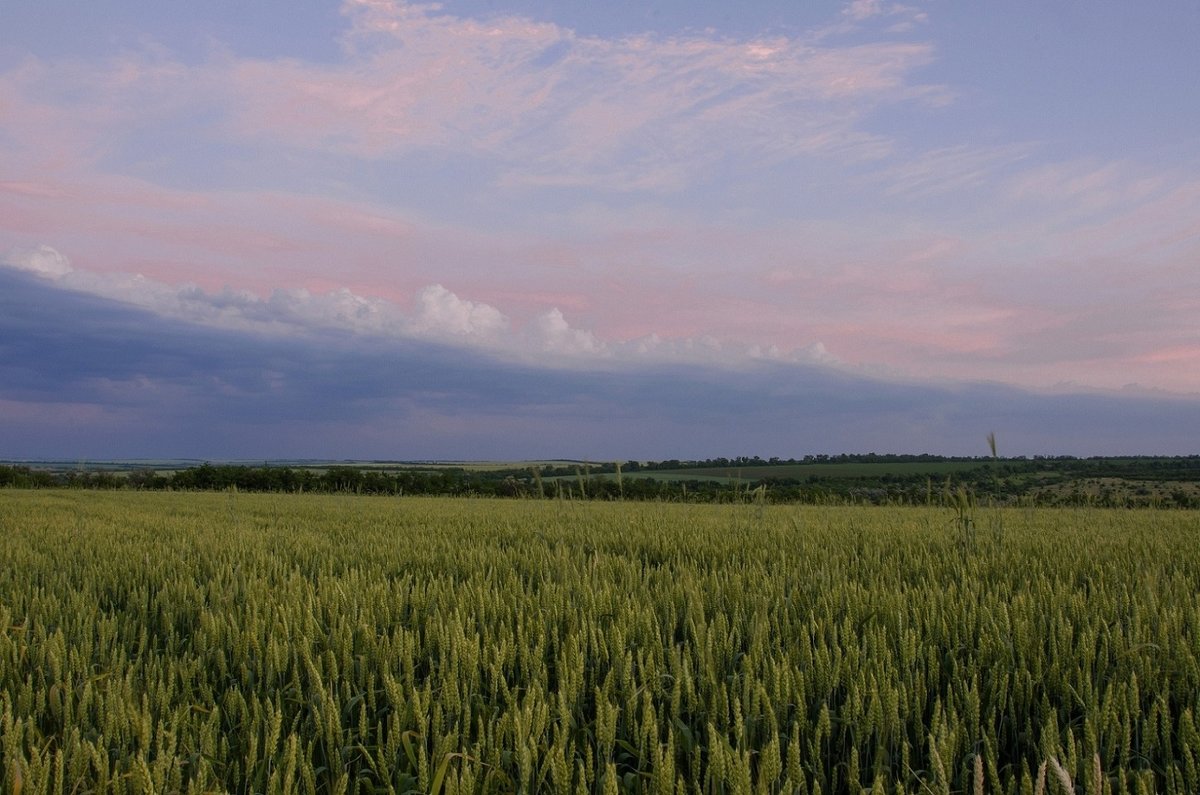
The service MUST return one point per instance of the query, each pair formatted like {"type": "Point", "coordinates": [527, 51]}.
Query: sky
{"type": "Point", "coordinates": [528, 229]}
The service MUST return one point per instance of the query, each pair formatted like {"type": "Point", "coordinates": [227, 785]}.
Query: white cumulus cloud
{"type": "Point", "coordinates": [42, 260]}
{"type": "Point", "coordinates": [442, 313]}
{"type": "Point", "coordinates": [552, 332]}
{"type": "Point", "coordinates": [436, 314]}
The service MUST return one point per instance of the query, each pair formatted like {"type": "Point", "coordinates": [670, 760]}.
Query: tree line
{"type": "Point", "coordinates": [1103, 482]}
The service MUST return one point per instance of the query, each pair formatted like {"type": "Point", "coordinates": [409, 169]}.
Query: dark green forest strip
{"type": "Point", "coordinates": [1129, 482]}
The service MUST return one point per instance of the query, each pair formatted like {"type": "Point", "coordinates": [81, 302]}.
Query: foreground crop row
{"type": "Point", "coordinates": [214, 642]}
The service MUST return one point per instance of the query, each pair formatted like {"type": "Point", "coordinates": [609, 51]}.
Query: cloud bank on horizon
{"type": "Point", "coordinates": [902, 200]}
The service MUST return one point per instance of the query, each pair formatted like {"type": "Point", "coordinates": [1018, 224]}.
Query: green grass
{"type": "Point", "coordinates": [266, 643]}
{"type": "Point", "coordinates": [823, 470]}
{"type": "Point", "coordinates": [800, 472]}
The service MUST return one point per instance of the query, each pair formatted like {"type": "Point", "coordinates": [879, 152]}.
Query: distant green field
{"type": "Point", "coordinates": [803, 471]}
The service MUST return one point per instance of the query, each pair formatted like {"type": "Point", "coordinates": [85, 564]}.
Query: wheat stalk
{"type": "Point", "coordinates": [1063, 777]}
{"type": "Point", "coordinates": [1040, 787]}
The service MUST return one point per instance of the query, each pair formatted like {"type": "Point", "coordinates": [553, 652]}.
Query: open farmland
{"type": "Point", "coordinates": [807, 470]}
{"type": "Point", "coordinates": [292, 643]}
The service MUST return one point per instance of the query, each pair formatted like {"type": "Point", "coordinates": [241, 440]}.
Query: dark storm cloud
{"type": "Point", "coordinates": [87, 376]}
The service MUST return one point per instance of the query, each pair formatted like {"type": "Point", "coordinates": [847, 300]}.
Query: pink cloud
{"type": "Point", "coordinates": [420, 78]}
{"type": "Point", "coordinates": [1174, 355]}
{"type": "Point", "coordinates": [544, 106]}
{"type": "Point", "coordinates": [255, 240]}
{"type": "Point", "coordinates": [69, 415]}
{"type": "Point", "coordinates": [922, 304]}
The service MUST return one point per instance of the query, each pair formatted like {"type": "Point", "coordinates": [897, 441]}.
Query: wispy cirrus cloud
{"type": "Point", "coordinates": [1084, 187]}
{"type": "Point", "coordinates": [950, 170]}
{"type": "Point", "coordinates": [551, 106]}
{"type": "Point", "coordinates": [892, 17]}
{"type": "Point", "coordinates": [636, 113]}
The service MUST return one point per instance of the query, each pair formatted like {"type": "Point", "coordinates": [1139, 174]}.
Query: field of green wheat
{"type": "Point", "coordinates": [268, 643]}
